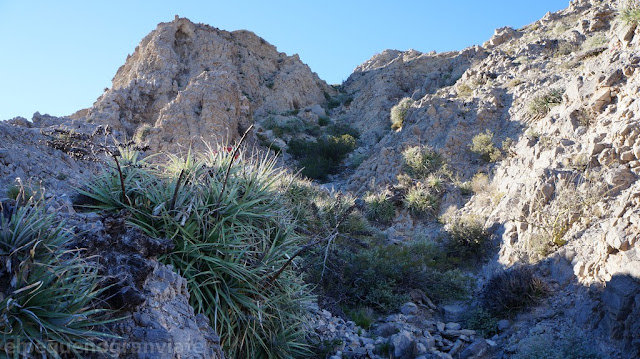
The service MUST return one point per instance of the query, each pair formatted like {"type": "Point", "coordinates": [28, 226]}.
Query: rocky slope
{"type": "Point", "coordinates": [576, 164]}
{"type": "Point", "coordinates": [562, 197]}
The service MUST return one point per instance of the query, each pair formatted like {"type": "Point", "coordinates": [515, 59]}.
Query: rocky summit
{"type": "Point", "coordinates": [481, 203]}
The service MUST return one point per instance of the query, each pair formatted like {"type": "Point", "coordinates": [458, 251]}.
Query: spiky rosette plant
{"type": "Point", "coordinates": [234, 240]}
{"type": "Point", "coordinates": [46, 291]}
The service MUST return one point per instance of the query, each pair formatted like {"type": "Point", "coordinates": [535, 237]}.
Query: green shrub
{"type": "Point", "coordinates": [340, 128]}
{"type": "Point", "coordinates": [235, 243]}
{"type": "Point", "coordinates": [264, 141]}
{"type": "Point", "coordinates": [464, 90]}
{"type": "Point", "coordinates": [363, 316]}
{"type": "Point", "coordinates": [482, 145]}
{"type": "Point", "coordinates": [21, 192]}
{"type": "Point", "coordinates": [435, 183]}
{"type": "Point", "coordinates": [512, 291]}
{"type": "Point", "coordinates": [399, 112]}
{"type": "Point", "coordinates": [467, 238]}
{"type": "Point", "coordinates": [337, 211]}
{"type": "Point", "coordinates": [321, 157]}
{"type": "Point", "coordinates": [594, 42]}
{"type": "Point", "coordinates": [323, 121]}
{"type": "Point", "coordinates": [379, 276]}
{"type": "Point", "coordinates": [564, 343]}
{"type": "Point", "coordinates": [356, 160]}
{"type": "Point", "coordinates": [300, 195]}
{"type": "Point", "coordinates": [480, 183]}
{"type": "Point", "coordinates": [380, 208]}
{"type": "Point", "coordinates": [142, 132]}
{"type": "Point", "coordinates": [420, 201]}
{"type": "Point", "coordinates": [483, 322]}
{"type": "Point", "coordinates": [420, 161]}
{"type": "Point", "coordinates": [48, 292]}
{"type": "Point", "coordinates": [542, 104]}
{"type": "Point", "coordinates": [630, 14]}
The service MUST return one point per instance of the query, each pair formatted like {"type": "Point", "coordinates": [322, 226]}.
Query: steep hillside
{"type": "Point", "coordinates": [561, 192]}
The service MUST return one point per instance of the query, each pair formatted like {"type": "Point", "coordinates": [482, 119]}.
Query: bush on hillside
{"type": "Point", "coordinates": [399, 112]}
{"type": "Point", "coordinates": [421, 200]}
{"type": "Point", "coordinates": [630, 14]}
{"type": "Point", "coordinates": [482, 145]}
{"type": "Point", "coordinates": [379, 207]}
{"type": "Point", "coordinates": [542, 104]}
{"type": "Point", "coordinates": [379, 276]}
{"type": "Point", "coordinates": [234, 242]}
{"type": "Point", "coordinates": [321, 157]}
{"type": "Point", "coordinates": [468, 240]}
{"type": "Point", "coordinates": [420, 161]}
{"type": "Point", "coordinates": [512, 291]}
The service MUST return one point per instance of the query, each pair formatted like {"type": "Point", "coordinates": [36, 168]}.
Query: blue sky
{"type": "Point", "coordinates": [59, 55]}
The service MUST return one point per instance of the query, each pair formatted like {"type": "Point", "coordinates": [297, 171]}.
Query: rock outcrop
{"type": "Point", "coordinates": [187, 83]}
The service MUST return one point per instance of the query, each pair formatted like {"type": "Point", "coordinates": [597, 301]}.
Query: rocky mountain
{"type": "Point", "coordinates": [187, 81]}
{"type": "Point", "coordinates": [538, 130]}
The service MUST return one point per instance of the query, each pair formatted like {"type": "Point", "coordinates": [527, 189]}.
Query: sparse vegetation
{"type": "Point", "coordinates": [482, 145]}
{"type": "Point", "coordinates": [379, 276]}
{"type": "Point", "coordinates": [363, 316]}
{"type": "Point", "coordinates": [420, 161]}
{"type": "Point", "coordinates": [468, 240]}
{"type": "Point", "coordinates": [594, 42]}
{"type": "Point", "coordinates": [421, 200]}
{"type": "Point", "coordinates": [464, 90]}
{"type": "Point", "coordinates": [141, 133]}
{"type": "Point", "coordinates": [483, 322]}
{"type": "Point", "coordinates": [565, 48]}
{"type": "Point", "coordinates": [532, 134]}
{"type": "Point", "coordinates": [559, 206]}
{"type": "Point", "coordinates": [399, 112]}
{"type": "Point", "coordinates": [512, 291]}
{"type": "Point", "coordinates": [542, 104]}
{"type": "Point", "coordinates": [323, 121]}
{"type": "Point", "coordinates": [630, 14]}
{"type": "Point", "coordinates": [380, 208]}
{"type": "Point", "coordinates": [321, 157]}
{"type": "Point", "coordinates": [514, 83]}
{"type": "Point", "coordinates": [479, 182]}
{"type": "Point", "coordinates": [564, 343]}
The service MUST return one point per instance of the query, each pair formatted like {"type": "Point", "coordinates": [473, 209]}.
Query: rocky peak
{"type": "Point", "coordinates": [187, 83]}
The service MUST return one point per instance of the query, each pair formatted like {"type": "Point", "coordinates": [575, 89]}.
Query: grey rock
{"type": "Point", "coordinates": [386, 329]}
{"type": "Point", "coordinates": [453, 326]}
{"type": "Point", "coordinates": [503, 325]}
{"type": "Point", "coordinates": [402, 345]}
{"type": "Point", "coordinates": [317, 110]}
{"type": "Point", "coordinates": [409, 309]}
{"type": "Point", "coordinates": [618, 299]}
{"type": "Point", "coordinates": [454, 312]}
{"type": "Point", "coordinates": [475, 349]}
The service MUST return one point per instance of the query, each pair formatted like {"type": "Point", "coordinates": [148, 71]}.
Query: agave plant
{"type": "Point", "coordinates": [234, 242]}
{"type": "Point", "coordinates": [46, 291]}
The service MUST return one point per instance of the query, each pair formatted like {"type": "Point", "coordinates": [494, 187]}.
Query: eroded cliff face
{"type": "Point", "coordinates": [188, 83]}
